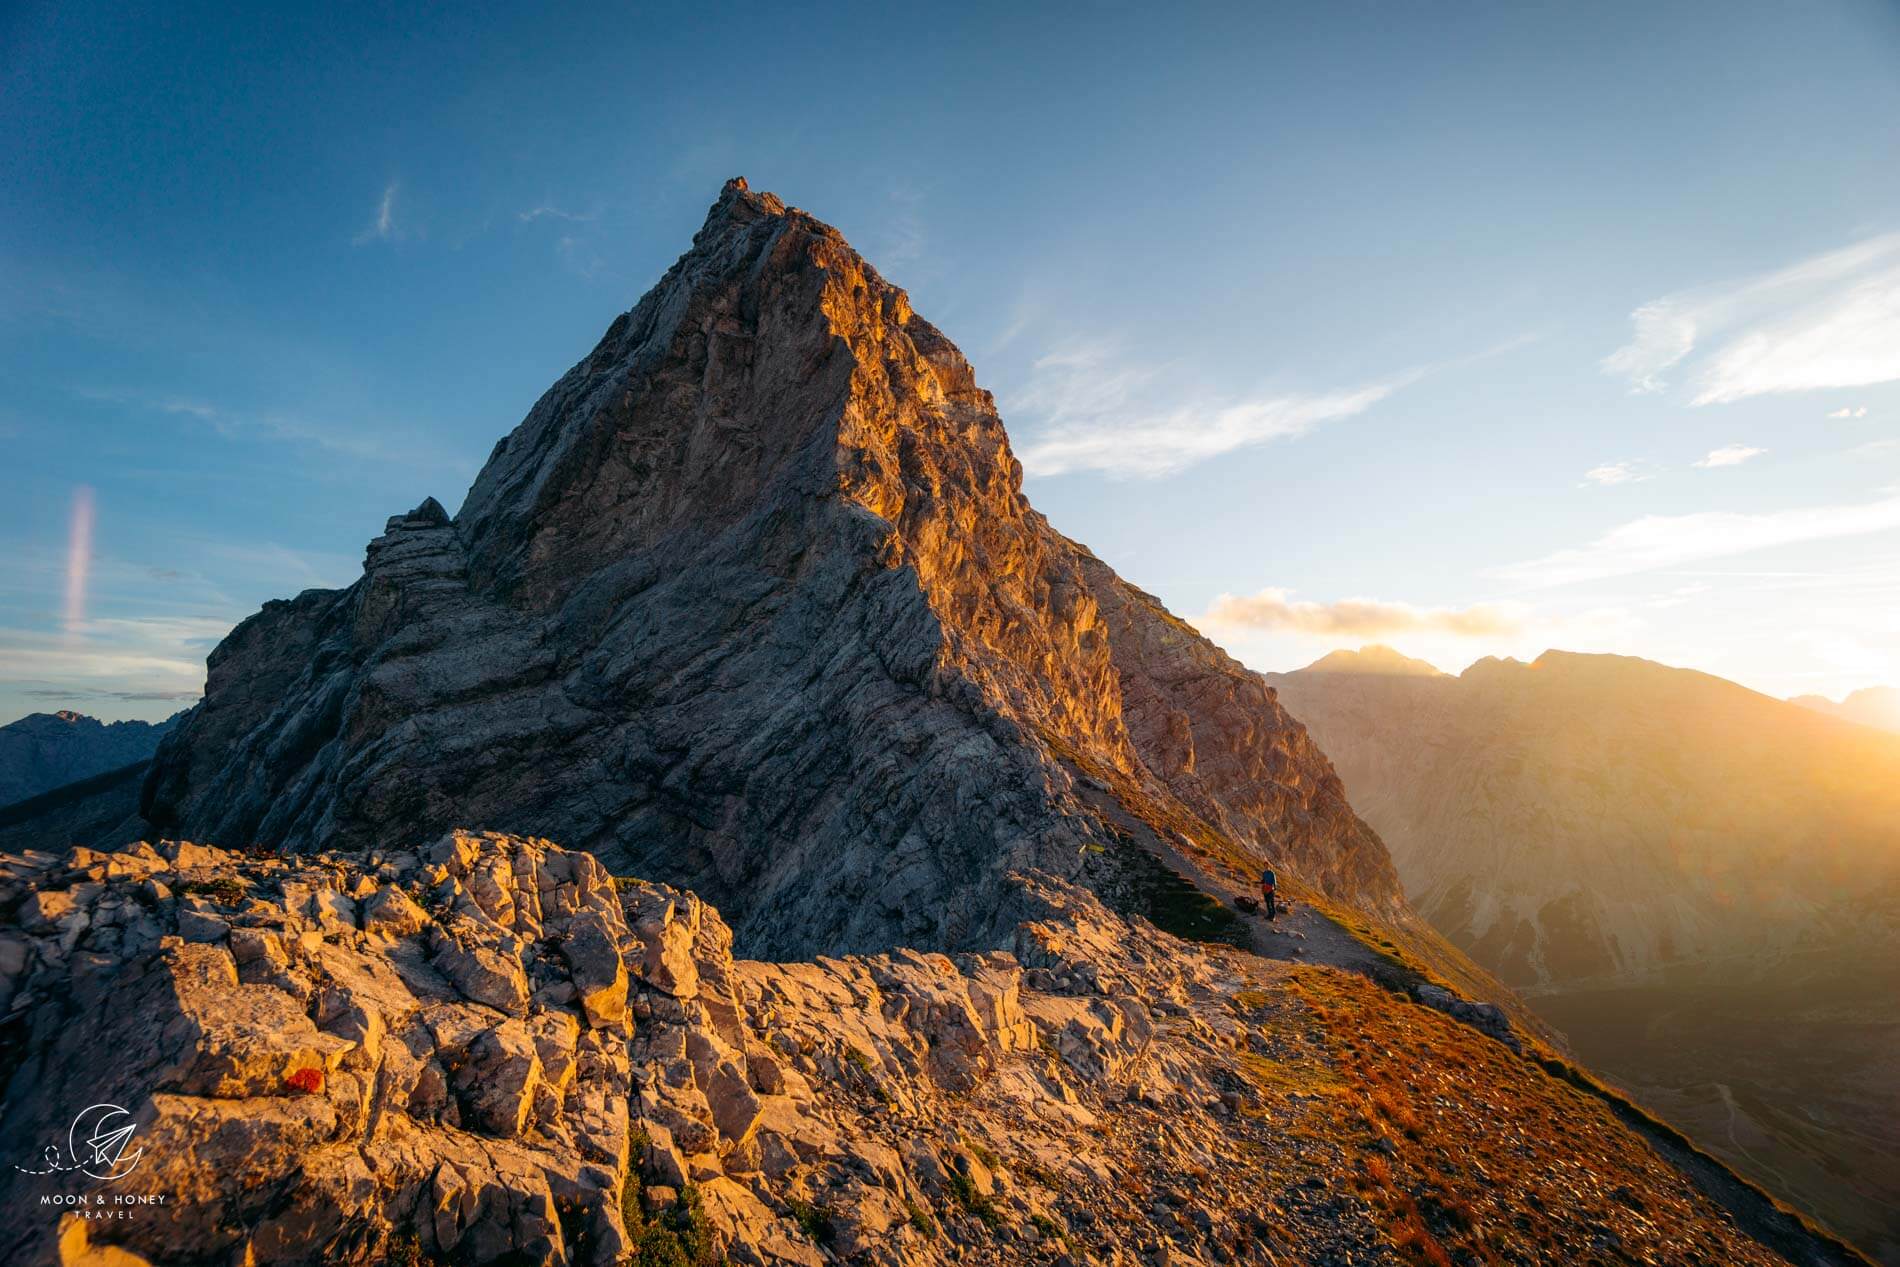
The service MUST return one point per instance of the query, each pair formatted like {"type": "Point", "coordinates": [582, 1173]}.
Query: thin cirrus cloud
{"type": "Point", "coordinates": [1660, 541]}
{"type": "Point", "coordinates": [1830, 321]}
{"type": "Point", "coordinates": [548, 211]}
{"type": "Point", "coordinates": [1730, 455]}
{"type": "Point", "coordinates": [1845, 412]}
{"type": "Point", "coordinates": [382, 445]}
{"type": "Point", "coordinates": [383, 227]}
{"type": "Point", "coordinates": [1096, 415]}
{"type": "Point", "coordinates": [151, 658]}
{"type": "Point", "coordinates": [1276, 610]}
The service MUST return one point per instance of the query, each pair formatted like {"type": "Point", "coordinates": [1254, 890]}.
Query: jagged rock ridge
{"type": "Point", "coordinates": [752, 601]}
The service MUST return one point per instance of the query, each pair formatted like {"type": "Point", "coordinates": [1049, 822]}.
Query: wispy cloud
{"type": "Point", "coordinates": [1730, 455]}
{"type": "Point", "coordinates": [1097, 413]}
{"type": "Point", "coordinates": [74, 694]}
{"type": "Point", "coordinates": [384, 225]}
{"type": "Point", "coordinates": [386, 445]}
{"type": "Point", "coordinates": [1277, 610]}
{"type": "Point", "coordinates": [573, 245]}
{"type": "Point", "coordinates": [1830, 321]}
{"type": "Point", "coordinates": [1662, 541]}
{"type": "Point", "coordinates": [157, 658]}
{"type": "Point", "coordinates": [1615, 473]}
{"type": "Point", "coordinates": [903, 241]}
{"type": "Point", "coordinates": [1681, 595]}
{"type": "Point", "coordinates": [548, 211]}
{"type": "Point", "coordinates": [1844, 412]}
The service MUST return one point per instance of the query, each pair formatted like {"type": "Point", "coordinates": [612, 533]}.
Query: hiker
{"type": "Point", "coordinates": [1268, 881]}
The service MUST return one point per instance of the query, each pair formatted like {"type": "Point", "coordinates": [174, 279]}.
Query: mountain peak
{"type": "Point", "coordinates": [752, 600]}
{"type": "Point", "coordinates": [1876, 706]}
{"type": "Point", "coordinates": [738, 196]}
{"type": "Point", "coordinates": [1375, 658]}
{"type": "Point", "coordinates": [44, 751]}
{"type": "Point", "coordinates": [745, 377]}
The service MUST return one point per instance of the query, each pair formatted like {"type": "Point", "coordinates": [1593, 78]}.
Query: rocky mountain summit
{"type": "Point", "coordinates": [1375, 660]}
{"type": "Point", "coordinates": [43, 751]}
{"type": "Point", "coordinates": [752, 602]}
{"type": "Point", "coordinates": [489, 1050]}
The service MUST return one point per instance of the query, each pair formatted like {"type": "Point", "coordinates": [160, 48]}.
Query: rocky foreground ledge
{"type": "Point", "coordinates": [490, 1050]}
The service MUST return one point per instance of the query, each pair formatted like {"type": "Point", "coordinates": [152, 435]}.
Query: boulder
{"type": "Point", "coordinates": [484, 974]}
{"type": "Point", "coordinates": [390, 912]}
{"type": "Point", "coordinates": [498, 1077]}
{"type": "Point", "coordinates": [233, 1040]}
{"type": "Point", "coordinates": [592, 951]}
{"type": "Point", "coordinates": [666, 961]}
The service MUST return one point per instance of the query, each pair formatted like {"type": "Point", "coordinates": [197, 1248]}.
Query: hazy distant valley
{"type": "Point", "coordinates": [1698, 884]}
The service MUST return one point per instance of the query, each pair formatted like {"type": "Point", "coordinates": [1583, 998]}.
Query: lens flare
{"type": "Point", "coordinates": [78, 560]}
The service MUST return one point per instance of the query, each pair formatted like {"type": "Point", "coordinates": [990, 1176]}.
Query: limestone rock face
{"type": "Point", "coordinates": [752, 601]}
{"type": "Point", "coordinates": [313, 1090]}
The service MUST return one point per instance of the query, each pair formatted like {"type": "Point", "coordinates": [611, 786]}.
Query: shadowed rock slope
{"type": "Point", "coordinates": [752, 601]}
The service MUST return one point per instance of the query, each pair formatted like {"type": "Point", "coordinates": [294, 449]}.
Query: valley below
{"type": "Point", "coordinates": [1790, 1077]}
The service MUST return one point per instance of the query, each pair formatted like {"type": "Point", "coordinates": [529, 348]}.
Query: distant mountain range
{"type": "Point", "coordinates": [1599, 818]}
{"type": "Point", "coordinates": [1698, 883]}
{"type": "Point", "coordinates": [43, 751]}
{"type": "Point", "coordinates": [1877, 706]}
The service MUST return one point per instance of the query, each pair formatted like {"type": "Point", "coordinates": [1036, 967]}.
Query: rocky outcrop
{"type": "Point", "coordinates": [323, 1059]}
{"type": "Point", "coordinates": [43, 751]}
{"type": "Point", "coordinates": [321, 1056]}
{"type": "Point", "coordinates": [752, 602]}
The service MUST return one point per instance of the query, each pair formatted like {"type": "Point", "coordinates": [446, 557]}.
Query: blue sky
{"type": "Point", "coordinates": [1473, 329]}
